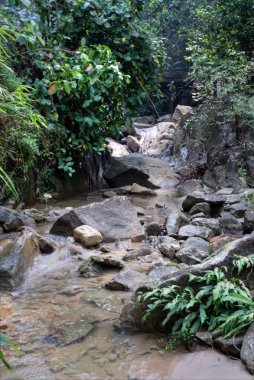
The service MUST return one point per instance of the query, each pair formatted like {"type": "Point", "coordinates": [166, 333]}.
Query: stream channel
{"type": "Point", "coordinates": [55, 300]}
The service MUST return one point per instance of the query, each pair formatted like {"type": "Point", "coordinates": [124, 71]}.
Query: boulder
{"type": "Point", "coordinates": [168, 246]}
{"type": "Point", "coordinates": [194, 251]}
{"type": "Point", "coordinates": [136, 253]}
{"type": "Point", "coordinates": [237, 210]}
{"type": "Point", "coordinates": [153, 229]}
{"type": "Point", "coordinates": [126, 280]}
{"type": "Point", "coordinates": [133, 144]}
{"type": "Point", "coordinates": [35, 214]}
{"type": "Point", "coordinates": [190, 186]}
{"type": "Point", "coordinates": [182, 113]}
{"type": "Point", "coordinates": [131, 317]}
{"type": "Point", "coordinates": [141, 190]}
{"type": "Point", "coordinates": [109, 194]}
{"type": "Point", "coordinates": [200, 207]}
{"type": "Point", "coordinates": [96, 266]}
{"type": "Point", "coordinates": [143, 170]}
{"type": "Point", "coordinates": [156, 275]}
{"type": "Point", "coordinates": [230, 346]}
{"type": "Point", "coordinates": [115, 218]}
{"type": "Point", "coordinates": [143, 119]}
{"type": "Point", "coordinates": [195, 231]}
{"type": "Point", "coordinates": [248, 224]}
{"type": "Point", "coordinates": [47, 245]}
{"type": "Point", "coordinates": [87, 235]}
{"type": "Point", "coordinates": [216, 202]}
{"type": "Point", "coordinates": [230, 225]}
{"type": "Point", "coordinates": [116, 149]}
{"type": "Point", "coordinates": [13, 220]}
{"type": "Point", "coordinates": [175, 220]}
{"type": "Point", "coordinates": [218, 242]}
{"type": "Point", "coordinates": [16, 255]}
{"type": "Point", "coordinates": [211, 223]}
{"type": "Point", "coordinates": [247, 350]}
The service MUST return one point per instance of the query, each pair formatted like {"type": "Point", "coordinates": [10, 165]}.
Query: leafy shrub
{"type": "Point", "coordinates": [91, 63]}
{"type": "Point", "coordinates": [221, 304]}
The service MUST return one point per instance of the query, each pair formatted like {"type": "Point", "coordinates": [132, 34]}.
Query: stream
{"type": "Point", "coordinates": [54, 307]}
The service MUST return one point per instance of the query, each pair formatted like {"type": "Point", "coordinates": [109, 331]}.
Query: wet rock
{"type": "Point", "coordinates": [141, 190]}
{"type": "Point", "coordinates": [168, 246]}
{"type": "Point", "coordinates": [116, 149]}
{"type": "Point", "coordinates": [16, 257]}
{"type": "Point", "coordinates": [131, 318]}
{"type": "Point", "coordinates": [141, 125]}
{"type": "Point", "coordinates": [156, 275]}
{"type": "Point", "coordinates": [69, 332]}
{"type": "Point", "coordinates": [133, 144]}
{"type": "Point", "coordinates": [199, 215]}
{"type": "Point", "coordinates": [230, 346]}
{"type": "Point", "coordinates": [190, 186]}
{"type": "Point", "coordinates": [136, 253]}
{"type": "Point", "coordinates": [200, 207]}
{"type": "Point", "coordinates": [182, 113]}
{"type": "Point", "coordinates": [35, 214]}
{"type": "Point", "coordinates": [105, 249]}
{"type": "Point", "coordinates": [76, 250]}
{"type": "Point", "coordinates": [96, 265]}
{"type": "Point", "coordinates": [211, 223]}
{"type": "Point", "coordinates": [247, 350]}
{"type": "Point", "coordinates": [153, 229]}
{"type": "Point", "coordinates": [218, 242]}
{"type": "Point", "coordinates": [195, 231]}
{"type": "Point", "coordinates": [140, 211]}
{"type": "Point", "coordinates": [248, 224]}
{"type": "Point", "coordinates": [237, 210]}
{"type": "Point", "coordinates": [143, 170]}
{"type": "Point", "coordinates": [13, 220]}
{"type": "Point", "coordinates": [87, 235]}
{"type": "Point", "coordinates": [109, 194]}
{"type": "Point", "coordinates": [225, 191]}
{"type": "Point", "coordinates": [194, 251]}
{"type": "Point", "coordinates": [175, 220]}
{"type": "Point", "coordinates": [126, 280]}
{"type": "Point", "coordinates": [216, 202]}
{"type": "Point", "coordinates": [57, 213]}
{"type": "Point", "coordinates": [47, 245]}
{"type": "Point", "coordinates": [165, 118]}
{"type": "Point", "coordinates": [115, 218]}
{"type": "Point", "coordinates": [230, 225]}
{"type": "Point", "coordinates": [138, 238]}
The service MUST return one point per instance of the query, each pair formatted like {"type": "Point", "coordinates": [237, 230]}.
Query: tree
{"type": "Point", "coordinates": [91, 63]}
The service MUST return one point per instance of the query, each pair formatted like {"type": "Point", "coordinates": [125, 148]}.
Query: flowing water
{"type": "Point", "coordinates": [63, 325]}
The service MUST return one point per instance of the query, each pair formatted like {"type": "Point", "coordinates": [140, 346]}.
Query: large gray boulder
{"type": "Point", "coordinates": [12, 220]}
{"type": "Point", "coordinates": [16, 255]}
{"type": "Point", "coordinates": [143, 170]}
{"type": "Point", "coordinates": [194, 251]}
{"type": "Point", "coordinates": [175, 220]}
{"type": "Point", "coordinates": [247, 350]}
{"type": "Point", "coordinates": [131, 317]}
{"type": "Point", "coordinates": [126, 280]}
{"type": "Point", "coordinates": [195, 231]}
{"type": "Point", "coordinates": [115, 218]}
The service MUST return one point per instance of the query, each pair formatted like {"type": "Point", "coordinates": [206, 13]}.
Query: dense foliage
{"type": "Point", "coordinates": [90, 63]}
{"type": "Point", "coordinates": [211, 301]}
{"type": "Point", "coordinates": [221, 51]}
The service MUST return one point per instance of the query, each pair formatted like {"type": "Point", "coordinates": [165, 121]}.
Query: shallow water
{"type": "Point", "coordinates": [63, 324]}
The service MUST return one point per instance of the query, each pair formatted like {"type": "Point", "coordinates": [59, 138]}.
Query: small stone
{"type": "Point", "coordinates": [135, 254]}
{"type": "Point", "coordinates": [175, 220]}
{"type": "Point", "coordinates": [105, 249]}
{"type": "Point", "coordinates": [138, 238]}
{"type": "Point", "coordinates": [109, 194]}
{"type": "Point", "coordinates": [87, 235]}
{"type": "Point", "coordinates": [200, 207]}
{"type": "Point", "coordinates": [230, 225]}
{"type": "Point", "coordinates": [159, 205]}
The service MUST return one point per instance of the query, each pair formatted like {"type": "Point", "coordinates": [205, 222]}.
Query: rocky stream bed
{"type": "Point", "coordinates": [69, 269]}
